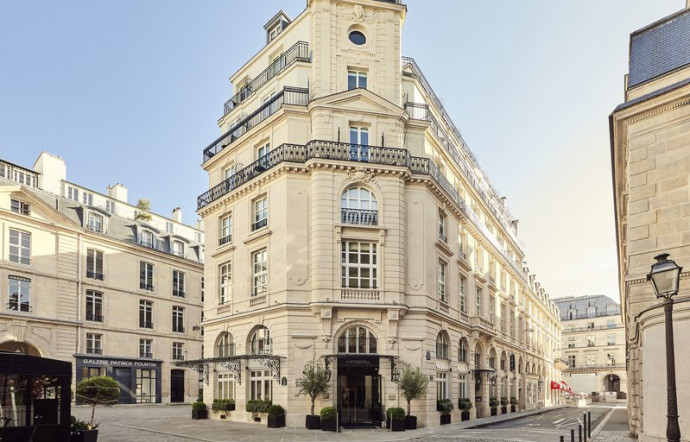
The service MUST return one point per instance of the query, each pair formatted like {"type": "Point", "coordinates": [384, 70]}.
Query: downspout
{"type": "Point", "coordinates": [79, 284]}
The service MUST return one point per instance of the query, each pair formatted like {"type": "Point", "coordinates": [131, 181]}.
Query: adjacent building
{"type": "Point", "coordinates": [348, 222]}
{"type": "Point", "coordinates": [90, 279]}
{"type": "Point", "coordinates": [593, 346]}
{"type": "Point", "coordinates": [650, 153]}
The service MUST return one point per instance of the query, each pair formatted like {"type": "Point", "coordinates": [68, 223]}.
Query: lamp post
{"type": "Point", "coordinates": [665, 277]}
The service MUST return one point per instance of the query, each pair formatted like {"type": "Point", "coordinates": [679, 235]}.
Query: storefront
{"type": "Point", "coordinates": [139, 379]}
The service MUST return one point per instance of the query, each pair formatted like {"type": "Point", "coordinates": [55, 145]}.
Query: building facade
{"type": "Point", "coordinates": [90, 279]}
{"type": "Point", "coordinates": [348, 222]}
{"type": "Point", "coordinates": [650, 151]}
{"type": "Point", "coordinates": [593, 346]}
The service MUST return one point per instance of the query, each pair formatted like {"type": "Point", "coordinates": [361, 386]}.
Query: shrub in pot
{"type": "Point", "coordinates": [493, 403]}
{"type": "Point", "coordinates": [276, 416]}
{"type": "Point", "coordinates": [313, 383]}
{"type": "Point", "coordinates": [445, 406]}
{"type": "Point", "coordinates": [397, 415]}
{"type": "Point", "coordinates": [465, 405]}
{"type": "Point", "coordinates": [513, 404]}
{"type": "Point", "coordinates": [80, 431]}
{"type": "Point", "coordinates": [413, 385]}
{"type": "Point", "coordinates": [256, 407]}
{"type": "Point", "coordinates": [199, 410]}
{"type": "Point", "coordinates": [329, 419]}
{"type": "Point", "coordinates": [98, 390]}
{"type": "Point", "coordinates": [504, 404]}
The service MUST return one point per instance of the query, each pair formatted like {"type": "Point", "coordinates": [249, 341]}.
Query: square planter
{"type": "Point", "coordinates": [199, 414]}
{"type": "Point", "coordinates": [465, 416]}
{"type": "Point", "coordinates": [276, 421]}
{"type": "Point", "coordinates": [329, 425]}
{"type": "Point", "coordinates": [410, 422]}
{"type": "Point", "coordinates": [230, 407]}
{"type": "Point", "coordinates": [504, 410]}
{"type": "Point", "coordinates": [445, 419]}
{"type": "Point", "coordinates": [84, 436]}
{"type": "Point", "coordinates": [397, 424]}
{"type": "Point", "coordinates": [494, 411]}
{"type": "Point", "coordinates": [512, 408]}
{"type": "Point", "coordinates": [313, 422]}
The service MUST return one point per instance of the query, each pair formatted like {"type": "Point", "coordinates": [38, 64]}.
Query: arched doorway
{"type": "Point", "coordinates": [20, 347]}
{"type": "Point", "coordinates": [612, 383]}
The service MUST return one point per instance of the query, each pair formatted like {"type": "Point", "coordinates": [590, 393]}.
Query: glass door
{"type": "Point", "coordinates": [359, 399]}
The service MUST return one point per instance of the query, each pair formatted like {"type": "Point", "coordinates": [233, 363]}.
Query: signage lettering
{"type": "Point", "coordinates": [117, 363]}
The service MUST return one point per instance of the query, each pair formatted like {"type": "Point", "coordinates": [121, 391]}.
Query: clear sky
{"type": "Point", "coordinates": [129, 91]}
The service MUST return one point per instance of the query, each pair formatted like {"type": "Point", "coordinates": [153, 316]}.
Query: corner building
{"type": "Point", "coordinates": [348, 222]}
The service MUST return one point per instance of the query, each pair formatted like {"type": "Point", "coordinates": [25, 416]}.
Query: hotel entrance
{"type": "Point", "coordinates": [359, 391]}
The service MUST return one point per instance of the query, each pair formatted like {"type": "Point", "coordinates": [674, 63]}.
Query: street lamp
{"type": "Point", "coordinates": [665, 277]}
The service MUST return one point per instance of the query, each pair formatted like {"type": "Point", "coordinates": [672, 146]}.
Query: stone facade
{"type": "Point", "coordinates": [650, 147]}
{"type": "Point", "coordinates": [72, 286]}
{"type": "Point", "coordinates": [325, 245]}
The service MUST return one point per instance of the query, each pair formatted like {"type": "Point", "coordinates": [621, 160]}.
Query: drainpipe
{"type": "Point", "coordinates": [79, 283]}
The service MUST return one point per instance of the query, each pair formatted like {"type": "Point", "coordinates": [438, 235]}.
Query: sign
{"type": "Point", "coordinates": [478, 399]}
{"type": "Point", "coordinates": [117, 363]}
{"type": "Point", "coordinates": [358, 362]}
{"type": "Point", "coordinates": [512, 362]}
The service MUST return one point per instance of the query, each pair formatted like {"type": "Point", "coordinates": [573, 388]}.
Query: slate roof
{"type": "Point", "coordinates": [601, 302]}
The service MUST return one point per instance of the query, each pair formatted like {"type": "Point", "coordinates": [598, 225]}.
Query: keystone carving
{"type": "Point", "coordinates": [358, 15]}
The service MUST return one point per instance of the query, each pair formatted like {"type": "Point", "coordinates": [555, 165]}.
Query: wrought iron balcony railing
{"type": "Point", "coordinates": [146, 355]}
{"type": "Point", "coordinates": [225, 240]}
{"type": "Point", "coordinates": [94, 275]}
{"type": "Point", "coordinates": [94, 317]}
{"type": "Point", "coordinates": [289, 95]}
{"type": "Point", "coordinates": [359, 216]}
{"type": "Point", "coordinates": [567, 317]}
{"type": "Point", "coordinates": [298, 52]}
{"type": "Point", "coordinates": [94, 351]}
{"type": "Point", "coordinates": [417, 111]}
{"type": "Point", "coordinates": [145, 324]}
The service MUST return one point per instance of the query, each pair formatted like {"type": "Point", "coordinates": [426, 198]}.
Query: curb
{"type": "Point", "coordinates": [511, 418]}
{"type": "Point", "coordinates": [600, 427]}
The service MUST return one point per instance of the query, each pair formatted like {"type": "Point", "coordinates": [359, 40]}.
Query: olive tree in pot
{"type": "Point", "coordinates": [413, 385]}
{"type": "Point", "coordinates": [314, 382]}
{"type": "Point", "coordinates": [445, 406]}
{"type": "Point", "coordinates": [504, 404]}
{"type": "Point", "coordinates": [513, 404]}
{"type": "Point", "coordinates": [329, 419]}
{"type": "Point", "coordinates": [493, 403]}
{"type": "Point", "coordinates": [199, 410]}
{"type": "Point", "coordinates": [98, 390]}
{"type": "Point", "coordinates": [465, 405]}
{"type": "Point", "coordinates": [276, 416]}
{"type": "Point", "coordinates": [397, 415]}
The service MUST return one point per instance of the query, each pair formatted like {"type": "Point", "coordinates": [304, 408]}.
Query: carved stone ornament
{"type": "Point", "coordinates": [393, 315]}
{"type": "Point", "coordinates": [326, 313]}
{"type": "Point", "coordinates": [358, 15]}
{"type": "Point", "coordinates": [391, 341]}
{"type": "Point", "coordinates": [326, 338]}
{"type": "Point", "coordinates": [360, 175]}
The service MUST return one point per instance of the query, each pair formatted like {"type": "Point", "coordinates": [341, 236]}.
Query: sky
{"type": "Point", "coordinates": [130, 92]}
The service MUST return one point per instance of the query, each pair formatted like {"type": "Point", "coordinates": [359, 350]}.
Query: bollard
{"type": "Point", "coordinates": [589, 424]}
{"type": "Point", "coordinates": [584, 422]}
{"type": "Point", "coordinates": [562, 439]}
{"type": "Point", "coordinates": [572, 435]}
{"type": "Point", "coordinates": [579, 433]}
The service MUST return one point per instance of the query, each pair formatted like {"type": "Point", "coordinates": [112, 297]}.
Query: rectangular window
{"type": "Point", "coordinates": [263, 150]}
{"type": "Point", "coordinates": [145, 348]}
{"type": "Point", "coordinates": [91, 372]}
{"type": "Point", "coordinates": [260, 213]}
{"type": "Point", "coordinates": [591, 359]}
{"type": "Point", "coordinates": [146, 239]}
{"type": "Point", "coordinates": [178, 283]}
{"type": "Point", "coordinates": [590, 326]}
{"type": "Point", "coordinates": [145, 314]}
{"type": "Point", "coordinates": [178, 351]}
{"type": "Point", "coordinates": [20, 207]}
{"type": "Point", "coordinates": [463, 386]}
{"type": "Point", "coordinates": [358, 265]}
{"type": "Point", "coordinates": [19, 290]}
{"type": "Point", "coordinates": [225, 230]}
{"type": "Point", "coordinates": [226, 386]}
{"type": "Point", "coordinates": [260, 272]}
{"type": "Point", "coordinates": [611, 340]}
{"type": "Point", "coordinates": [20, 247]}
{"type": "Point", "coordinates": [145, 275]}
{"type": "Point", "coordinates": [356, 79]}
{"type": "Point", "coordinates": [477, 360]}
{"type": "Point", "coordinates": [571, 361]}
{"type": "Point", "coordinates": [359, 144]}
{"type": "Point", "coordinates": [492, 309]}
{"type": "Point", "coordinates": [146, 386]}
{"type": "Point", "coordinates": [442, 282]}
{"type": "Point", "coordinates": [611, 323]}
{"type": "Point", "coordinates": [202, 290]}
{"type": "Point", "coordinates": [225, 283]}
{"type": "Point", "coordinates": [94, 264]}
{"type": "Point", "coordinates": [571, 341]}
{"type": "Point", "coordinates": [441, 385]}
{"type": "Point", "coordinates": [110, 206]}
{"type": "Point", "coordinates": [478, 301]}
{"type": "Point", "coordinates": [590, 341]}
{"type": "Point", "coordinates": [95, 222]}
{"type": "Point", "coordinates": [463, 294]}
{"type": "Point", "coordinates": [94, 343]}
{"type": "Point", "coordinates": [178, 319]}
{"type": "Point", "coordinates": [260, 385]}
{"type": "Point", "coordinates": [178, 248]}
{"type": "Point", "coordinates": [169, 227]}
{"type": "Point", "coordinates": [94, 306]}
{"type": "Point", "coordinates": [442, 227]}
{"type": "Point", "coordinates": [87, 198]}
{"type": "Point", "coordinates": [73, 193]}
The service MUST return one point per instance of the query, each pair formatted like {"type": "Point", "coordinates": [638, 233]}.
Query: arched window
{"type": "Point", "coordinates": [492, 359]}
{"type": "Point", "coordinates": [442, 346]}
{"type": "Point", "coordinates": [462, 351]}
{"type": "Point", "coordinates": [357, 340]}
{"type": "Point", "coordinates": [260, 343]}
{"type": "Point", "coordinates": [358, 206]}
{"type": "Point", "coordinates": [226, 345]}
{"type": "Point", "coordinates": [477, 357]}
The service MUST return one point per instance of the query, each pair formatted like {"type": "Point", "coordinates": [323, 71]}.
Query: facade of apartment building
{"type": "Point", "coordinates": [85, 280]}
{"type": "Point", "coordinates": [348, 223]}
{"type": "Point", "coordinates": [593, 346]}
{"type": "Point", "coordinates": [650, 151]}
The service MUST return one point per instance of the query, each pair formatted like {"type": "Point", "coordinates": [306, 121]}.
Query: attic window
{"type": "Point", "coordinates": [274, 32]}
{"type": "Point", "coordinates": [357, 38]}
{"type": "Point", "coordinates": [20, 207]}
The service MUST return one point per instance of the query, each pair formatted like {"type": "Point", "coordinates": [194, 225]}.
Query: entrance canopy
{"type": "Point", "coordinates": [233, 364]}
{"type": "Point", "coordinates": [361, 360]}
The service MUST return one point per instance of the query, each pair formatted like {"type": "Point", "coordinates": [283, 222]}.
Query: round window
{"type": "Point", "coordinates": [357, 38]}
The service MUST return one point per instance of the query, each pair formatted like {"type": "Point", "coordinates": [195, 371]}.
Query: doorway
{"type": "Point", "coordinates": [123, 376]}
{"type": "Point", "coordinates": [177, 386]}
{"type": "Point", "coordinates": [359, 398]}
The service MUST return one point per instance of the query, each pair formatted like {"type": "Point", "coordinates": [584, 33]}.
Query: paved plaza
{"type": "Point", "coordinates": [174, 424]}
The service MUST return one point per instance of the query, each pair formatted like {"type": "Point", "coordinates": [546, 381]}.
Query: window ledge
{"type": "Point", "coordinates": [443, 247]}
{"type": "Point", "coordinates": [229, 247]}
{"type": "Point", "coordinates": [258, 234]}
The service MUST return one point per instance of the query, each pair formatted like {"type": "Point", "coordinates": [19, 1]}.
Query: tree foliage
{"type": "Point", "coordinates": [314, 381]}
{"type": "Point", "coordinates": [98, 390]}
{"type": "Point", "coordinates": [413, 384]}
{"type": "Point", "coordinates": [143, 208]}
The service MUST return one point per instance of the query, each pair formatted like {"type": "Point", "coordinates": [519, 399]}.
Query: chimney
{"type": "Point", "coordinates": [177, 214]}
{"type": "Point", "coordinates": [516, 221]}
{"type": "Point", "coordinates": [53, 172]}
{"type": "Point", "coordinates": [118, 192]}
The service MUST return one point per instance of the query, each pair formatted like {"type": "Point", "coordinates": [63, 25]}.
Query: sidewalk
{"type": "Point", "coordinates": [615, 428]}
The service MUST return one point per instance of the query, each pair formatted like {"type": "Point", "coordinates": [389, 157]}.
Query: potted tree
{"type": "Point", "coordinates": [504, 404]}
{"type": "Point", "coordinates": [397, 415]}
{"type": "Point", "coordinates": [513, 404]}
{"type": "Point", "coordinates": [313, 383]}
{"type": "Point", "coordinates": [199, 410]}
{"type": "Point", "coordinates": [98, 390]}
{"type": "Point", "coordinates": [413, 385]}
{"type": "Point", "coordinates": [329, 417]}
{"type": "Point", "coordinates": [445, 406]}
{"type": "Point", "coordinates": [493, 403]}
{"type": "Point", "coordinates": [276, 416]}
{"type": "Point", "coordinates": [79, 430]}
{"type": "Point", "coordinates": [465, 405]}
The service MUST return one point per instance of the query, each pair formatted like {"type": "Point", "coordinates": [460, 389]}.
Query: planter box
{"type": "Point", "coordinates": [410, 422]}
{"type": "Point", "coordinates": [229, 407]}
{"type": "Point", "coordinates": [465, 416]}
{"type": "Point", "coordinates": [494, 411]}
{"type": "Point", "coordinates": [397, 424]}
{"type": "Point", "coordinates": [313, 422]}
{"type": "Point", "coordinates": [329, 425]}
{"type": "Point", "coordinates": [276, 421]}
{"type": "Point", "coordinates": [199, 414]}
{"type": "Point", "coordinates": [84, 436]}
{"type": "Point", "coordinates": [445, 419]}
{"type": "Point", "coordinates": [512, 408]}
{"type": "Point", "coordinates": [504, 410]}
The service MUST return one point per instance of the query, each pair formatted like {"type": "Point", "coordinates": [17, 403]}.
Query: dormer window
{"type": "Point", "coordinates": [276, 25]}
{"type": "Point", "coordinates": [95, 222]}
{"type": "Point", "coordinates": [87, 198]}
{"type": "Point", "coordinates": [273, 32]}
{"type": "Point", "coordinates": [20, 207]}
{"type": "Point", "coordinates": [146, 238]}
{"type": "Point", "coordinates": [178, 248]}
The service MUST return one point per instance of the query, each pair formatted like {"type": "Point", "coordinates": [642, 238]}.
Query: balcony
{"type": "Point", "coordinates": [94, 275]}
{"type": "Point", "coordinates": [145, 324]}
{"type": "Point", "coordinates": [146, 286]}
{"type": "Point", "coordinates": [417, 111]}
{"type": "Point", "coordinates": [260, 224]}
{"type": "Point", "coordinates": [178, 329]}
{"type": "Point", "coordinates": [146, 355]}
{"type": "Point", "coordinates": [566, 317]}
{"type": "Point", "coordinates": [94, 317]}
{"type": "Point", "coordinates": [359, 216]}
{"type": "Point", "coordinates": [298, 52]}
{"type": "Point", "coordinates": [370, 295]}
{"type": "Point", "coordinates": [289, 95]}
{"type": "Point", "coordinates": [94, 351]}
{"type": "Point", "coordinates": [179, 293]}
{"type": "Point", "coordinates": [225, 240]}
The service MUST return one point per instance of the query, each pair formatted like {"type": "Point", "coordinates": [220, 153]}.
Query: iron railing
{"type": "Point", "coordinates": [146, 355]}
{"type": "Point", "coordinates": [615, 312]}
{"type": "Point", "coordinates": [359, 216]}
{"type": "Point", "coordinates": [145, 324]}
{"type": "Point", "coordinates": [225, 240]}
{"type": "Point", "coordinates": [417, 111]}
{"type": "Point", "coordinates": [94, 317]}
{"type": "Point", "coordinates": [94, 351]}
{"type": "Point", "coordinates": [289, 95]}
{"type": "Point", "coordinates": [298, 52]}
{"type": "Point", "coordinates": [94, 275]}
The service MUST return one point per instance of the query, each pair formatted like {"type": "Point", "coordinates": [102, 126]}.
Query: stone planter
{"type": "Point", "coordinates": [504, 410]}
{"type": "Point", "coordinates": [410, 422]}
{"type": "Point", "coordinates": [494, 411]}
{"type": "Point", "coordinates": [465, 416]}
{"type": "Point", "coordinates": [512, 408]}
{"type": "Point", "coordinates": [445, 419]}
{"type": "Point", "coordinates": [313, 422]}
